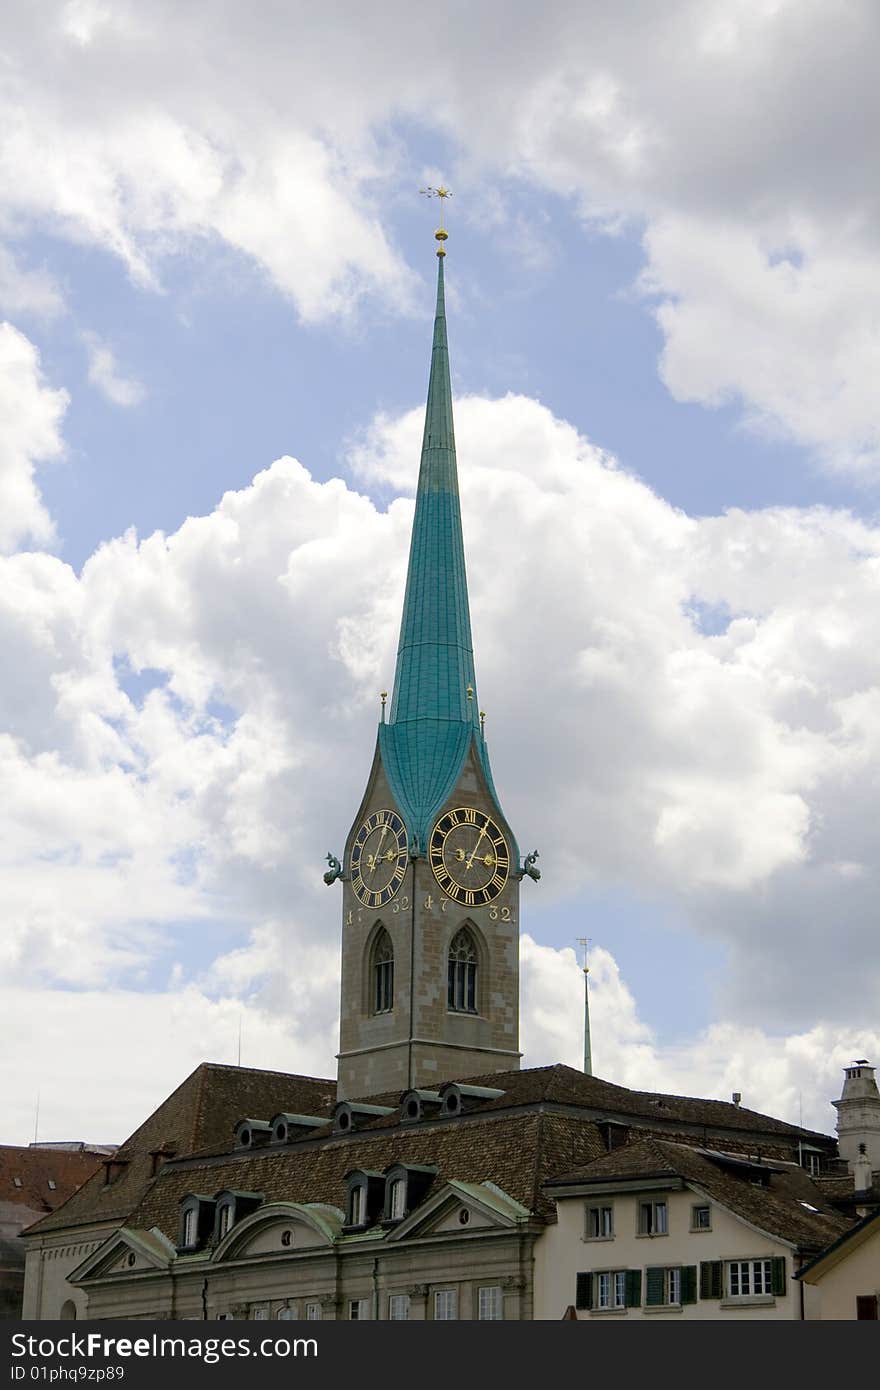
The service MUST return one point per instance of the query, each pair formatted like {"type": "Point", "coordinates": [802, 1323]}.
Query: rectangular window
{"type": "Point", "coordinates": [653, 1219]}
{"type": "Point", "coordinates": [445, 1305]}
{"type": "Point", "coordinates": [489, 1305]}
{"type": "Point", "coordinates": [398, 1307]}
{"type": "Point", "coordinates": [189, 1226]}
{"type": "Point", "coordinates": [664, 1286]}
{"type": "Point", "coordinates": [313, 1312]}
{"type": "Point", "coordinates": [359, 1309]}
{"type": "Point", "coordinates": [609, 1288]}
{"type": "Point", "coordinates": [746, 1278]}
{"type": "Point", "coordinates": [223, 1223]}
{"type": "Point", "coordinates": [398, 1199]}
{"type": "Point", "coordinates": [701, 1218]}
{"type": "Point", "coordinates": [600, 1223]}
{"type": "Point", "coordinates": [260, 1313]}
{"type": "Point", "coordinates": [357, 1205]}
{"type": "Point", "coordinates": [384, 986]}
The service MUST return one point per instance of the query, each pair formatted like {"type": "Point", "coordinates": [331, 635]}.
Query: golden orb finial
{"type": "Point", "coordinates": [441, 233]}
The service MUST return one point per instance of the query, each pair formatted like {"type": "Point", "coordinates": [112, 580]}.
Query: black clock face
{"type": "Point", "coordinates": [469, 856]}
{"type": "Point", "coordinates": [378, 858]}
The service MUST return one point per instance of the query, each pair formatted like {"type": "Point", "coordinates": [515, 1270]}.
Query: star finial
{"type": "Point", "coordinates": [442, 193]}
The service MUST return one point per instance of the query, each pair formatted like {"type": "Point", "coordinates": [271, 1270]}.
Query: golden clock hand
{"type": "Point", "coordinates": [480, 839]}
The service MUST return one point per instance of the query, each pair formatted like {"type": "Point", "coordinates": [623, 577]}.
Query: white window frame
{"type": "Point", "coordinates": [747, 1275]}
{"type": "Point", "coordinates": [224, 1220]}
{"type": "Point", "coordinates": [358, 1309]}
{"type": "Point", "coordinates": [609, 1289]}
{"type": "Point", "coordinates": [189, 1228]}
{"type": "Point", "coordinates": [445, 1305]}
{"type": "Point", "coordinates": [398, 1307]}
{"type": "Point", "coordinates": [672, 1286]}
{"type": "Point", "coordinates": [696, 1225]}
{"type": "Point", "coordinates": [490, 1303]}
{"type": "Point", "coordinates": [313, 1312]}
{"type": "Point", "coordinates": [358, 1204]}
{"type": "Point", "coordinates": [259, 1313]}
{"type": "Point", "coordinates": [286, 1314]}
{"type": "Point", "coordinates": [397, 1204]}
{"type": "Point", "coordinates": [655, 1224]}
{"type": "Point", "coordinates": [604, 1222]}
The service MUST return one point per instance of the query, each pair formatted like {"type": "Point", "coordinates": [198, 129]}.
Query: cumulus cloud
{"type": "Point", "coordinates": [27, 292]}
{"type": "Point", "coordinates": [30, 420]}
{"type": "Point", "coordinates": [698, 122]}
{"type": "Point", "coordinates": [192, 719]}
{"type": "Point", "coordinates": [105, 376]}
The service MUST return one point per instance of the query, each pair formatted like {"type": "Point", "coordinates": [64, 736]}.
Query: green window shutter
{"type": "Point", "coordinates": [689, 1283]}
{"type": "Point", "coordinates": [633, 1288]}
{"type": "Point", "coordinates": [584, 1293]}
{"type": "Point", "coordinates": [777, 1274]}
{"type": "Point", "coordinates": [654, 1287]}
{"type": "Point", "coordinates": [710, 1279]}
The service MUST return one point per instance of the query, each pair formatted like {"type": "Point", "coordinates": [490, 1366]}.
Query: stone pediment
{"type": "Point", "coordinates": [124, 1253]}
{"type": "Point", "coordinates": [281, 1229]}
{"type": "Point", "coordinates": [460, 1207]}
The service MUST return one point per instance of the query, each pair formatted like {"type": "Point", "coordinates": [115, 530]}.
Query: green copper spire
{"type": "Point", "coordinates": [434, 709]}
{"type": "Point", "coordinates": [435, 658]}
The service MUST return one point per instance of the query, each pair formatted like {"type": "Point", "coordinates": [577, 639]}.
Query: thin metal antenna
{"type": "Point", "coordinates": [37, 1118]}
{"type": "Point", "coordinates": [588, 1049]}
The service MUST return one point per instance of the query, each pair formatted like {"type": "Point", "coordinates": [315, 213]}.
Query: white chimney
{"type": "Point", "coordinates": [736, 1097]}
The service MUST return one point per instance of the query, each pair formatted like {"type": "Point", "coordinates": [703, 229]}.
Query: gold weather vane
{"type": "Point", "coordinates": [442, 193]}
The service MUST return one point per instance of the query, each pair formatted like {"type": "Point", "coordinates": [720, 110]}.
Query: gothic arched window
{"type": "Point", "coordinates": [463, 973]}
{"type": "Point", "coordinates": [383, 974]}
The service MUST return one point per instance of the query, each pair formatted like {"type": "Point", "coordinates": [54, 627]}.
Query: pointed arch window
{"type": "Point", "coordinates": [383, 974]}
{"type": "Point", "coordinates": [462, 996]}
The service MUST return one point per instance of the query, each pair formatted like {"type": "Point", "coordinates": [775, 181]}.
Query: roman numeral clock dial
{"type": "Point", "coordinates": [378, 858]}
{"type": "Point", "coordinates": [469, 856]}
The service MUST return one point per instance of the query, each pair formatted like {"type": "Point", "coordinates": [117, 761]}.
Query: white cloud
{"type": "Point", "coordinates": [24, 292]}
{"type": "Point", "coordinates": [726, 768]}
{"type": "Point", "coordinates": [104, 373]}
{"type": "Point", "coordinates": [148, 132]}
{"type": "Point", "coordinates": [30, 420]}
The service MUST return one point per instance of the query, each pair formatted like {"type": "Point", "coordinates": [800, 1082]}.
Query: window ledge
{"type": "Point", "coordinates": [651, 1235]}
{"type": "Point", "coordinates": [752, 1300]}
{"type": "Point", "coordinates": [607, 1312]}
{"type": "Point", "coordinates": [596, 1240]}
{"type": "Point", "coordinates": [662, 1308]}
{"type": "Point", "coordinates": [701, 1230]}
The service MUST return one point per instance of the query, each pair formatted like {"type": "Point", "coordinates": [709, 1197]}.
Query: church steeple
{"type": "Point", "coordinates": [431, 874]}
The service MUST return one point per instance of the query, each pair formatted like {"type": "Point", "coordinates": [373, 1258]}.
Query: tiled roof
{"type": "Point", "coordinates": [26, 1175]}
{"type": "Point", "coordinates": [197, 1124]}
{"type": "Point", "coordinates": [201, 1113]}
{"type": "Point", "coordinates": [777, 1208]}
{"type": "Point", "coordinates": [515, 1152]}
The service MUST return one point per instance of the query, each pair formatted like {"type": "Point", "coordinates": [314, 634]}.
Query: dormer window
{"type": "Point", "coordinates": [405, 1186]}
{"type": "Point", "coordinates": [366, 1191]}
{"type": "Point", "coordinates": [357, 1205]}
{"type": "Point", "coordinates": [397, 1199]}
{"type": "Point", "coordinates": [196, 1221]}
{"type": "Point", "coordinates": [231, 1205]}
{"type": "Point", "coordinates": [188, 1235]}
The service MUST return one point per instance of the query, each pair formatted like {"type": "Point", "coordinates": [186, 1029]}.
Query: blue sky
{"type": "Point", "coordinates": [662, 346]}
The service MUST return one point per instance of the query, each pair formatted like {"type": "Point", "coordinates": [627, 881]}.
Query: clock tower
{"type": "Point", "coordinates": [431, 870]}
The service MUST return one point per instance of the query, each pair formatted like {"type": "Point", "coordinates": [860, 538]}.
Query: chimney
{"type": "Point", "coordinates": [736, 1097]}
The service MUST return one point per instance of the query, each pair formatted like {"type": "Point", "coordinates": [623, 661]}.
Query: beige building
{"type": "Point", "coordinates": [658, 1229]}
{"type": "Point", "coordinates": [844, 1280]}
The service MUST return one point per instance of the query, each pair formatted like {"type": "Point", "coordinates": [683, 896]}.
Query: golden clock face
{"type": "Point", "coordinates": [378, 858]}
{"type": "Point", "coordinates": [469, 856]}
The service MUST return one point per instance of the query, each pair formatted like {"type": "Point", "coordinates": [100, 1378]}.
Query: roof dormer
{"type": "Point", "coordinates": [252, 1134]}
{"type": "Point", "coordinates": [458, 1098]}
{"type": "Point", "coordinates": [349, 1115]}
{"type": "Point", "coordinates": [287, 1128]}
